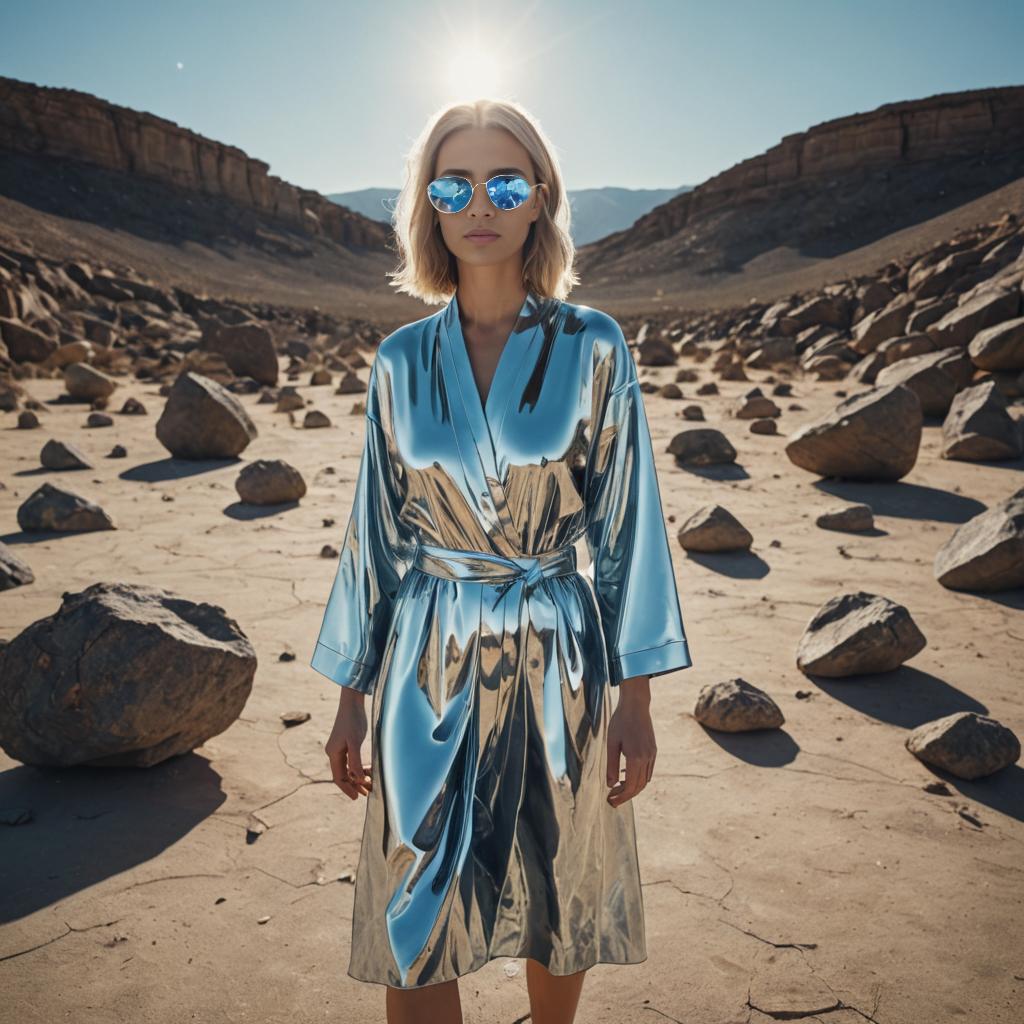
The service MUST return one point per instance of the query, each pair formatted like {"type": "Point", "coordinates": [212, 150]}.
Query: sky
{"type": "Point", "coordinates": [637, 94]}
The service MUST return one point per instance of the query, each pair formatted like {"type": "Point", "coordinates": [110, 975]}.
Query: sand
{"type": "Point", "coordinates": [802, 873]}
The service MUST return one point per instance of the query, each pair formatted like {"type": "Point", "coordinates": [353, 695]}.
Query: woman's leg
{"type": "Point", "coordinates": [553, 998]}
{"type": "Point", "coordinates": [438, 1003]}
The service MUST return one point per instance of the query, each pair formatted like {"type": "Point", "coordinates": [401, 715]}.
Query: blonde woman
{"type": "Point", "coordinates": [503, 433]}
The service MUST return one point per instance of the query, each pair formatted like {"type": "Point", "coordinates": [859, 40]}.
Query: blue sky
{"type": "Point", "coordinates": [638, 94]}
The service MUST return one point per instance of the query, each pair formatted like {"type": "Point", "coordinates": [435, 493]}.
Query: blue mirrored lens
{"type": "Point", "coordinates": [507, 191]}
{"type": "Point", "coordinates": [452, 194]}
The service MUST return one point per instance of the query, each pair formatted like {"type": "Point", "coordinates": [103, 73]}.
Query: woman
{"type": "Point", "coordinates": [502, 433]}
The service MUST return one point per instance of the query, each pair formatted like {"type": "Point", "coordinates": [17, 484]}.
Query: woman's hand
{"type": "Point", "coordinates": [631, 733]}
{"type": "Point", "coordinates": [345, 745]}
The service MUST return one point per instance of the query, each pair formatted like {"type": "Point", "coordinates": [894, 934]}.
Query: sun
{"type": "Point", "coordinates": [474, 71]}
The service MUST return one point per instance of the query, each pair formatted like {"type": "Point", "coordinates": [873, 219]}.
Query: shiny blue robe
{"type": "Point", "coordinates": [459, 604]}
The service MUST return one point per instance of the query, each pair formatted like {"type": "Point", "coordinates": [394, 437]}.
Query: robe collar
{"type": "Point", "coordinates": [479, 421]}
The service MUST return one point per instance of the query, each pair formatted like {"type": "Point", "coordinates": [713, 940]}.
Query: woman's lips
{"type": "Point", "coordinates": [482, 239]}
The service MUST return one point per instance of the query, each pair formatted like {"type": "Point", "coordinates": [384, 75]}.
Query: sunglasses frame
{"type": "Point", "coordinates": [473, 187]}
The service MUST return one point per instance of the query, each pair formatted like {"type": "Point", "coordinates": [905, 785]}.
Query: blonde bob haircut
{"type": "Point", "coordinates": [427, 269]}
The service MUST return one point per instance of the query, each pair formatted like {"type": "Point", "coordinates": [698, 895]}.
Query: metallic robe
{"type": "Point", "coordinates": [458, 605]}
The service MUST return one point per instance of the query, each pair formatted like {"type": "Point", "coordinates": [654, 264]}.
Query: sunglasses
{"type": "Point", "coordinates": [452, 194]}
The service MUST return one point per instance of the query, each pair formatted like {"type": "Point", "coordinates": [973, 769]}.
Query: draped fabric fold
{"type": "Point", "coordinates": [490, 657]}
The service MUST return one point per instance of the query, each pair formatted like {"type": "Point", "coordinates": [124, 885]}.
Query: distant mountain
{"type": "Point", "coordinates": [596, 212]}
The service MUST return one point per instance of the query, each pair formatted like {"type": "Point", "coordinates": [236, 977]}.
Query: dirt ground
{"type": "Point", "coordinates": [797, 874]}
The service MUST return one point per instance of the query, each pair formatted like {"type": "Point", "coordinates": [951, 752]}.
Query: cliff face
{"type": "Point", "coordinates": [897, 142]}
{"type": "Point", "coordinates": [39, 120]}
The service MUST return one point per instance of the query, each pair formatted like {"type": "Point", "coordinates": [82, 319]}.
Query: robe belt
{"type": "Point", "coordinates": [455, 564]}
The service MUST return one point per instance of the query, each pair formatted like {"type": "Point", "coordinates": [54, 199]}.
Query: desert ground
{"type": "Point", "coordinates": [814, 872]}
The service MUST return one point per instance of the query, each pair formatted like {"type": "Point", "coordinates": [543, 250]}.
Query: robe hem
{"type": "Point", "coordinates": [490, 959]}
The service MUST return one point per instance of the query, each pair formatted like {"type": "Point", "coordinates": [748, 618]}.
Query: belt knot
{"type": "Point", "coordinates": [456, 564]}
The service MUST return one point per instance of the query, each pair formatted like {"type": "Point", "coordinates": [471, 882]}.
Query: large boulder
{"type": "Point", "coordinates": [873, 435]}
{"type": "Point", "coordinates": [1000, 347]}
{"type": "Point", "coordinates": [247, 348]}
{"type": "Point", "coordinates": [960, 325]}
{"type": "Point", "coordinates": [935, 377]}
{"type": "Point", "coordinates": [203, 420]}
{"type": "Point", "coordinates": [122, 674]}
{"type": "Point", "coordinates": [979, 426]}
{"type": "Point", "coordinates": [987, 552]}
{"type": "Point", "coordinates": [25, 344]}
{"type": "Point", "coordinates": [876, 327]}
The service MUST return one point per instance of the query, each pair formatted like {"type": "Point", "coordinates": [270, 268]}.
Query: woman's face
{"type": "Point", "coordinates": [479, 154]}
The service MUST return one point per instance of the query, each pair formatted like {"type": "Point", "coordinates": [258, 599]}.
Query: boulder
{"type": "Point", "coordinates": [63, 455]}
{"type": "Point", "coordinates": [873, 435]}
{"type": "Point", "coordinates": [987, 552]}
{"type": "Point", "coordinates": [979, 426]}
{"type": "Point", "coordinates": [876, 327]}
{"type": "Point", "coordinates": [1000, 347]}
{"type": "Point", "coordinates": [13, 571]}
{"type": "Point", "coordinates": [203, 420]}
{"type": "Point", "coordinates": [50, 508]}
{"type": "Point", "coordinates": [701, 446]}
{"type": "Point", "coordinates": [86, 383]}
{"type": "Point", "coordinates": [932, 376]}
{"type": "Point", "coordinates": [122, 675]}
{"type": "Point", "coordinates": [960, 325]}
{"type": "Point", "coordinates": [858, 633]}
{"type": "Point", "coordinates": [965, 744]}
{"type": "Point", "coordinates": [247, 348]}
{"type": "Point", "coordinates": [25, 344]}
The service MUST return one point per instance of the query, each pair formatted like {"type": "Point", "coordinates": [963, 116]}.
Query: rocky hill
{"type": "Point", "coordinates": [69, 124]}
{"type": "Point", "coordinates": [839, 185]}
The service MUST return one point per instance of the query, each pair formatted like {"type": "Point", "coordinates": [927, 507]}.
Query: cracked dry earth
{"type": "Point", "coordinates": [801, 874]}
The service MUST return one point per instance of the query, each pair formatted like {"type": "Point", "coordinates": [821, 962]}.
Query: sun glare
{"type": "Point", "coordinates": [475, 71]}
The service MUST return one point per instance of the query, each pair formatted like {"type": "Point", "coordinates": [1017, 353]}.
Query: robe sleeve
{"type": "Point", "coordinates": [375, 554]}
{"type": "Point", "coordinates": [634, 579]}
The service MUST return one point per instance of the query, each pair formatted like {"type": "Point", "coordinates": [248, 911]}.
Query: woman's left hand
{"type": "Point", "coordinates": [631, 734]}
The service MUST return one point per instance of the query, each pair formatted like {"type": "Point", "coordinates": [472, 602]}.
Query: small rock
{"type": "Point", "coordinates": [62, 455]}
{"type": "Point", "coordinates": [714, 528]}
{"type": "Point", "coordinates": [315, 418]}
{"type": "Point", "coordinates": [851, 519]}
{"type": "Point", "coordinates": [702, 446]}
{"type": "Point", "coordinates": [269, 482]}
{"type": "Point", "coordinates": [736, 706]}
{"type": "Point", "coordinates": [86, 382]}
{"type": "Point", "coordinates": [13, 571]}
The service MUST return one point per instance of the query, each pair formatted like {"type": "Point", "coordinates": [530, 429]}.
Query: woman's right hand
{"type": "Point", "coordinates": [345, 745]}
